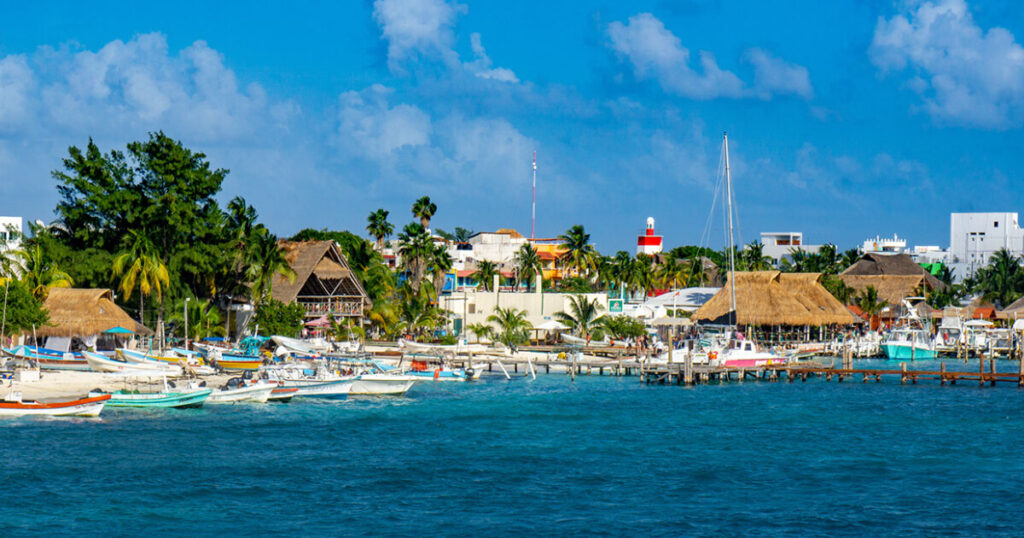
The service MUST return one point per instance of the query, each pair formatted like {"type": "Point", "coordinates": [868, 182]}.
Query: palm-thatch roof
{"type": "Point", "coordinates": [1014, 311]}
{"type": "Point", "coordinates": [85, 312]}
{"type": "Point", "coordinates": [873, 263]}
{"type": "Point", "coordinates": [891, 288]}
{"type": "Point", "coordinates": [322, 259]}
{"type": "Point", "coordinates": [775, 298]}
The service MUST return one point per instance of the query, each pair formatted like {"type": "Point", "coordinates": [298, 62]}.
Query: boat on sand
{"type": "Point", "coordinates": [14, 406]}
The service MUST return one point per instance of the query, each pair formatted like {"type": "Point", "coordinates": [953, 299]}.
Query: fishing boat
{"type": "Point", "coordinates": [742, 353]}
{"type": "Point", "coordinates": [238, 390]}
{"type": "Point", "coordinates": [950, 335]}
{"type": "Point", "coordinates": [233, 361]}
{"type": "Point", "coordinates": [14, 406]}
{"type": "Point", "coordinates": [50, 359]}
{"type": "Point", "coordinates": [912, 336]}
{"type": "Point", "coordinates": [100, 363]}
{"type": "Point", "coordinates": [165, 398]}
{"type": "Point", "coordinates": [423, 371]}
{"type": "Point", "coordinates": [312, 383]}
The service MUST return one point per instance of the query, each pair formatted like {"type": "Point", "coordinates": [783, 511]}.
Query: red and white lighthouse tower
{"type": "Point", "coordinates": [649, 243]}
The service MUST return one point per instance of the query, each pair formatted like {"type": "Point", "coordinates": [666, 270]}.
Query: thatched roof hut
{"type": "Point", "coordinates": [772, 298]}
{"type": "Point", "coordinates": [891, 288]}
{"type": "Point", "coordinates": [877, 264]}
{"type": "Point", "coordinates": [1014, 311]}
{"type": "Point", "coordinates": [85, 312]}
{"type": "Point", "coordinates": [323, 283]}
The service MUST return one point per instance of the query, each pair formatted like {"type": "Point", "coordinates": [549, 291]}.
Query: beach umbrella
{"type": "Point", "coordinates": [550, 325]}
{"type": "Point", "coordinates": [118, 330]}
{"type": "Point", "coordinates": [321, 321]}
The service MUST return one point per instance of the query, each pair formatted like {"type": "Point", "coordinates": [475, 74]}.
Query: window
{"type": "Point", "coordinates": [995, 224]}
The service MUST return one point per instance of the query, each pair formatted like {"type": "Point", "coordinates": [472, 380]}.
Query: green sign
{"type": "Point", "coordinates": [615, 305]}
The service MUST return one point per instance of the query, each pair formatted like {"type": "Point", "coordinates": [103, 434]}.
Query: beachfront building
{"type": "Point", "coordinates": [675, 303]}
{"type": "Point", "coordinates": [776, 299]}
{"type": "Point", "coordinates": [884, 245]}
{"type": "Point", "coordinates": [85, 318]}
{"type": "Point", "coordinates": [10, 233]}
{"type": "Point", "coordinates": [975, 237]}
{"type": "Point", "coordinates": [894, 276]}
{"type": "Point", "coordinates": [324, 283]}
{"type": "Point", "coordinates": [779, 245]}
{"type": "Point", "coordinates": [648, 243]}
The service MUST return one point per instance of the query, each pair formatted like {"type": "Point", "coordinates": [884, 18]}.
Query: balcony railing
{"type": "Point", "coordinates": [338, 308]}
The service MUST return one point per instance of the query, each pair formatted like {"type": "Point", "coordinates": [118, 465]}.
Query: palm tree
{"type": "Point", "coordinates": [416, 250]}
{"type": "Point", "coordinates": [583, 316]}
{"type": "Point", "coordinates": [481, 331]}
{"type": "Point", "coordinates": [485, 271]}
{"type": "Point", "coordinates": [754, 258]}
{"type": "Point", "coordinates": [643, 273]}
{"type": "Point", "coordinates": [1002, 280]}
{"type": "Point", "coordinates": [379, 227]}
{"type": "Point", "coordinates": [424, 210]}
{"type": "Point", "coordinates": [869, 303]}
{"type": "Point", "coordinates": [671, 273]}
{"type": "Point", "coordinates": [267, 260]}
{"type": "Point", "coordinates": [204, 319]}
{"type": "Point", "coordinates": [848, 258]}
{"type": "Point", "coordinates": [698, 274]}
{"type": "Point", "coordinates": [513, 329]}
{"type": "Point", "coordinates": [580, 253]}
{"type": "Point", "coordinates": [528, 263]}
{"type": "Point", "coordinates": [139, 266]}
{"type": "Point", "coordinates": [440, 265]}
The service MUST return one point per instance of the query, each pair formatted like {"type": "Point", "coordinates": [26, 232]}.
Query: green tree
{"type": "Point", "coordinates": [580, 254]}
{"type": "Point", "coordinates": [1002, 280]}
{"type": "Point", "coordinates": [672, 273]}
{"type": "Point", "coordinates": [379, 227]}
{"type": "Point", "coordinates": [485, 272]}
{"type": "Point", "coordinates": [870, 304]}
{"type": "Point", "coordinates": [513, 329]}
{"type": "Point", "coordinates": [204, 319]}
{"type": "Point", "coordinates": [416, 250]}
{"type": "Point", "coordinates": [424, 210]}
{"type": "Point", "coordinates": [440, 265]}
{"type": "Point", "coordinates": [22, 310]}
{"type": "Point", "coordinates": [481, 331]}
{"type": "Point", "coordinates": [583, 317]}
{"type": "Point", "coordinates": [275, 317]}
{"type": "Point", "coordinates": [528, 264]}
{"type": "Point", "coordinates": [39, 272]}
{"type": "Point", "coordinates": [838, 289]}
{"type": "Point", "coordinates": [139, 267]}
{"type": "Point", "coordinates": [754, 258]}
{"type": "Point", "coordinates": [268, 260]}
{"type": "Point", "coordinates": [462, 235]}
{"type": "Point", "coordinates": [622, 327]}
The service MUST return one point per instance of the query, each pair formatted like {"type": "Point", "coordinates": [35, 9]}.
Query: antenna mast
{"type": "Point", "coordinates": [533, 209]}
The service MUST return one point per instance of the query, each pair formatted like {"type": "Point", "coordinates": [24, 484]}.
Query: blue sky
{"type": "Point", "coordinates": [847, 119]}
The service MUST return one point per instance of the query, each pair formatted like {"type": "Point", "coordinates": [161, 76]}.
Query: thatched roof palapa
{"type": "Point", "coordinates": [85, 312]}
{"type": "Point", "coordinates": [322, 259]}
{"type": "Point", "coordinates": [775, 298]}
{"type": "Point", "coordinates": [877, 264]}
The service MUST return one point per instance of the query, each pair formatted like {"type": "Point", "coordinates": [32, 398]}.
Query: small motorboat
{"type": "Point", "coordinates": [50, 359]}
{"type": "Point", "coordinates": [103, 364]}
{"type": "Point", "coordinates": [14, 406]}
{"type": "Point", "coordinates": [238, 390]}
{"type": "Point", "coordinates": [165, 398]}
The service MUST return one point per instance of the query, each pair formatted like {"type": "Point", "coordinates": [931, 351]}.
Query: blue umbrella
{"type": "Point", "coordinates": [118, 330]}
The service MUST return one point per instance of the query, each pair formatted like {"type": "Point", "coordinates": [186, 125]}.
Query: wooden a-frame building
{"type": "Point", "coordinates": [324, 283]}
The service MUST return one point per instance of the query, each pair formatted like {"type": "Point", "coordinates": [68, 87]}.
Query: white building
{"type": "Point", "coordinates": [974, 237]}
{"type": "Point", "coordinates": [10, 233]}
{"type": "Point", "coordinates": [778, 245]}
{"type": "Point", "coordinates": [884, 245]}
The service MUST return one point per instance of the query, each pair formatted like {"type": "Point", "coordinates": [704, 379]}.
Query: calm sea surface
{"type": "Point", "coordinates": [604, 456]}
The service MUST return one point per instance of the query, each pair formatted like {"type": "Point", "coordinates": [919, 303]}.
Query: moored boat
{"type": "Point", "coordinates": [177, 400]}
{"type": "Point", "coordinates": [282, 394]}
{"type": "Point", "coordinates": [100, 363]}
{"type": "Point", "coordinates": [233, 361]}
{"type": "Point", "coordinates": [14, 406]}
{"type": "Point", "coordinates": [237, 390]}
{"type": "Point", "coordinates": [48, 359]}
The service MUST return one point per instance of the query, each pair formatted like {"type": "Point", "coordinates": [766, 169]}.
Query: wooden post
{"type": "Point", "coordinates": [903, 374]}
{"type": "Point", "coordinates": [981, 361]}
{"type": "Point", "coordinates": [992, 369]}
{"type": "Point", "coordinates": [942, 375]}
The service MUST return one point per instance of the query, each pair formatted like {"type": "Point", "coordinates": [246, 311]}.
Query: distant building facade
{"type": "Point", "coordinates": [975, 237]}
{"type": "Point", "coordinates": [884, 245]}
{"type": "Point", "coordinates": [11, 232]}
{"type": "Point", "coordinates": [778, 245]}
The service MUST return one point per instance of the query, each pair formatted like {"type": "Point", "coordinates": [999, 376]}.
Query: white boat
{"type": "Point", "coordinates": [316, 383]}
{"type": "Point", "coordinates": [460, 348]}
{"type": "Point", "coordinates": [383, 384]}
{"type": "Point", "coordinates": [103, 364]}
{"type": "Point", "coordinates": [238, 390]}
{"type": "Point", "coordinates": [912, 336]}
{"type": "Point", "coordinates": [13, 406]}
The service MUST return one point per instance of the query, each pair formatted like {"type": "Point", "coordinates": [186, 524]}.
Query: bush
{"type": "Point", "coordinates": [277, 318]}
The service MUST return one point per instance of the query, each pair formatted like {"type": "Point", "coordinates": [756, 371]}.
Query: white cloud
{"type": "Point", "coordinates": [425, 30]}
{"type": "Point", "coordinates": [16, 83]}
{"type": "Point", "coordinates": [774, 76]}
{"type": "Point", "coordinates": [964, 74]}
{"type": "Point", "coordinates": [408, 147]}
{"type": "Point", "coordinates": [655, 53]}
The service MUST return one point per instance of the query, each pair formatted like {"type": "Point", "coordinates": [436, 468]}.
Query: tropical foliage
{"type": "Point", "coordinates": [584, 316]}
{"type": "Point", "coordinates": [512, 327]}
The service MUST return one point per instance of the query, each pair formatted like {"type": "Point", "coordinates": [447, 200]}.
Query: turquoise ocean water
{"type": "Point", "coordinates": [605, 456]}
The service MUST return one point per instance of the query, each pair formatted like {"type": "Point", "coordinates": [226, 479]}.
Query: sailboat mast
{"type": "Point", "coordinates": [732, 247]}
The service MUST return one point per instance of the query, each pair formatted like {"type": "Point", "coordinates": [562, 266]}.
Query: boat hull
{"type": "Point", "coordinates": [251, 394]}
{"type": "Point", "coordinates": [906, 352]}
{"type": "Point", "coordinates": [754, 363]}
{"type": "Point", "coordinates": [334, 390]}
{"type": "Point", "coordinates": [282, 395]}
{"type": "Point", "coordinates": [84, 407]}
{"type": "Point", "coordinates": [239, 362]}
{"type": "Point", "coordinates": [382, 385]}
{"type": "Point", "coordinates": [100, 363]}
{"type": "Point", "coordinates": [176, 400]}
